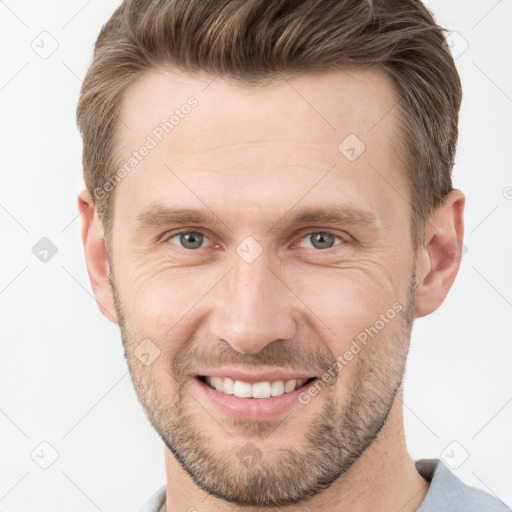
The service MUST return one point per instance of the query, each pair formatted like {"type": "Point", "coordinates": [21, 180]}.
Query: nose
{"type": "Point", "coordinates": [253, 307]}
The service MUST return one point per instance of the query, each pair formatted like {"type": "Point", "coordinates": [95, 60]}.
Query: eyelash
{"type": "Point", "coordinates": [168, 237]}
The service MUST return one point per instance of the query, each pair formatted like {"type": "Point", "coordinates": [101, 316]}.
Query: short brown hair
{"type": "Point", "coordinates": [254, 41]}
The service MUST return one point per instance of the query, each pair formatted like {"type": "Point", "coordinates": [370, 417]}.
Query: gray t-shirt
{"type": "Point", "coordinates": [447, 493]}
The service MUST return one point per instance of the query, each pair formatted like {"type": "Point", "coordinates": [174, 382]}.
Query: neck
{"type": "Point", "coordinates": [383, 478]}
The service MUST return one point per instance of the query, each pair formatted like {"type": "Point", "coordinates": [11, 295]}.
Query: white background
{"type": "Point", "coordinates": [63, 376]}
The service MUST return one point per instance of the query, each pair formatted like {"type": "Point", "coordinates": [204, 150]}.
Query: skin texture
{"type": "Point", "coordinates": [250, 157]}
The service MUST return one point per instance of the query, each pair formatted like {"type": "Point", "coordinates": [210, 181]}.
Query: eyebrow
{"type": "Point", "coordinates": [157, 215]}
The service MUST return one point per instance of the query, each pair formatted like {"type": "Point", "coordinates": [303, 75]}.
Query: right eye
{"type": "Point", "coordinates": [188, 239]}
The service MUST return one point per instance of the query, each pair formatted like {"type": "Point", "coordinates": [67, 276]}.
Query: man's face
{"type": "Point", "coordinates": [247, 288]}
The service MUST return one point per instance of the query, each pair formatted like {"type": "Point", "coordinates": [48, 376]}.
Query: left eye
{"type": "Point", "coordinates": [190, 239]}
{"type": "Point", "coordinates": [321, 239]}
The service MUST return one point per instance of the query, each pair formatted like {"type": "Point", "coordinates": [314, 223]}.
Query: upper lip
{"type": "Point", "coordinates": [252, 377]}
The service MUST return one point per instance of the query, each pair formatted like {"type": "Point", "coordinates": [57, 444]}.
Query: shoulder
{"type": "Point", "coordinates": [155, 501]}
{"type": "Point", "coordinates": [447, 493]}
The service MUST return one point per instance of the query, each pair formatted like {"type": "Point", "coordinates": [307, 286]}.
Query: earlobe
{"type": "Point", "coordinates": [96, 256]}
{"type": "Point", "coordinates": [439, 259]}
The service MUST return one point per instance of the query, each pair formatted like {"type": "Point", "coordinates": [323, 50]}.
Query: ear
{"type": "Point", "coordinates": [96, 259]}
{"type": "Point", "coordinates": [439, 259]}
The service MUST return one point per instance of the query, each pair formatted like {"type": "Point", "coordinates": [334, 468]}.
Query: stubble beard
{"type": "Point", "coordinates": [335, 438]}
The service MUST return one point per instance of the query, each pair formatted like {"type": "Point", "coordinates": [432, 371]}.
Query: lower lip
{"type": "Point", "coordinates": [253, 408]}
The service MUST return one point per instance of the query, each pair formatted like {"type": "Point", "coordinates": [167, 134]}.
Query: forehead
{"type": "Point", "coordinates": [329, 103]}
{"type": "Point", "coordinates": [225, 134]}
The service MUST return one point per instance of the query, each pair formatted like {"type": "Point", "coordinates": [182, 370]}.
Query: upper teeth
{"type": "Point", "coordinates": [243, 389]}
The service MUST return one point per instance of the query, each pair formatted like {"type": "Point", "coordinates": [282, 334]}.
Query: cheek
{"type": "Point", "coordinates": [344, 301]}
{"type": "Point", "coordinates": [159, 302]}
{"type": "Point", "coordinates": [338, 303]}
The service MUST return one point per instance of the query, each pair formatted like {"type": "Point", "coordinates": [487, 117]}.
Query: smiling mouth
{"type": "Point", "coordinates": [264, 389]}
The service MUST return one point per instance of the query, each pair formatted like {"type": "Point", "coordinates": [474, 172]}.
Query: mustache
{"type": "Point", "coordinates": [282, 355]}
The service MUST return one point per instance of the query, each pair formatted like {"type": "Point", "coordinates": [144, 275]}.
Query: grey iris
{"type": "Point", "coordinates": [319, 240]}
{"type": "Point", "coordinates": [193, 239]}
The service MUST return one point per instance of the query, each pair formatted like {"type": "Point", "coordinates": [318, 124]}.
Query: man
{"type": "Point", "coordinates": [268, 207]}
